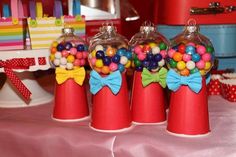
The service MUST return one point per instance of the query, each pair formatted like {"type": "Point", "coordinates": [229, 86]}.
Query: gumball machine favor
{"type": "Point", "coordinates": [149, 52]}
{"type": "Point", "coordinates": [109, 57]}
{"type": "Point", "coordinates": [69, 56]}
{"type": "Point", "coordinates": [190, 58]}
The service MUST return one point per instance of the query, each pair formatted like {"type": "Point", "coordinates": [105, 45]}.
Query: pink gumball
{"type": "Point", "coordinates": [93, 61]}
{"type": "Point", "coordinates": [201, 49]}
{"type": "Point", "coordinates": [141, 56]}
{"type": "Point", "coordinates": [79, 55]}
{"type": "Point", "coordinates": [76, 62]}
{"type": "Point", "coordinates": [200, 64]}
{"type": "Point", "coordinates": [138, 49]}
{"type": "Point", "coordinates": [85, 54]}
{"type": "Point", "coordinates": [191, 44]}
{"type": "Point", "coordinates": [113, 67]}
{"type": "Point", "coordinates": [64, 53]}
{"type": "Point", "coordinates": [163, 53]}
{"type": "Point", "coordinates": [171, 53]}
{"type": "Point", "coordinates": [82, 62]}
{"type": "Point", "coordinates": [187, 57]}
{"type": "Point", "coordinates": [206, 57]}
{"type": "Point", "coordinates": [73, 51]}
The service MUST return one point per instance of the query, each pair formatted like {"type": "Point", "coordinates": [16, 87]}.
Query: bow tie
{"type": "Point", "coordinates": [77, 74]}
{"type": "Point", "coordinates": [113, 81]}
{"type": "Point", "coordinates": [174, 81]}
{"type": "Point", "coordinates": [160, 77]}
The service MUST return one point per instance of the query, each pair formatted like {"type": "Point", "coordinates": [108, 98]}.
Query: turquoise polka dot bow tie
{"type": "Point", "coordinates": [174, 81]}
{"type": "Point", "coordinates": [113, 81]}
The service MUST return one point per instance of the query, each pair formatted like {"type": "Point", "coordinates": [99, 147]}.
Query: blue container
{"type": "Point", "coordinates": [223, 37]}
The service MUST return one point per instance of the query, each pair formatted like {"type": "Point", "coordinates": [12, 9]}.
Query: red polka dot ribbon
{"type": "Point", "coordinates": [17, 63]}
{"type": "Point", "coordinates": [214, 87]}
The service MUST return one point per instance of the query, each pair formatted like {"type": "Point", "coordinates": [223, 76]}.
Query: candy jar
{"type": "Point", "coordinates": [69, 56]}
{"type": "Point", "coordinates": [149, 50]}
{"type": "Point", "coordinates": [190, 59]}
{"type": "Point", "coordinates": [109, 57]}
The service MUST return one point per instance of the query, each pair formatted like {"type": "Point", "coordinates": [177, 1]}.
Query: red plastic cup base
{"type": "Point", "coordinates": [188, 112]}
{"type": "Point", "coordinates": [70, 101]}
{"type": "Point", "coordinates": [109, 111]}
{"type": "Point", "coordinates": [147, 103]}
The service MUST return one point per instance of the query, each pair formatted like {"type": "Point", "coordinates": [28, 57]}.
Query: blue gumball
{"type": "Point", "coordinates": [68, 45]}
{"type": "Point", "coordinates": [80, 48]}
{"type": "Point", "coordinates": [139, 68]}
{"type": "Point", "coordinates": [149, 56]}
{"type": "Point", "coordinates": [157, 57]}
{"type": "Point", "coordinates": [190, 49]}
{"type": "Point", "coordinates": [128, 55]}
{"type": "Point", "coordinates": [145, 63]}
{"type": "Point", "coordinates": [153, 65]}
{"type": "Point", "coordinates": [121, 67]}
{"type": "Point", "coordinates": [100, 54]}
{"type": "Point", "coordinates": [121, 51]}
{"type": "Point", "coordinates": [106, 60]}
{"type": "Point", "coordinates": [196, 57]}
{"type": "Point", "coordinates": [116, 58]}
{"type": "Point", "coordinates": [60, 47]}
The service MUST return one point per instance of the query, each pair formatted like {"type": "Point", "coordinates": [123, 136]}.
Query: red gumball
{"type": "Point", "coordinates": [181, 48]}
{"type": "Point", "coordinates": [146, 48]}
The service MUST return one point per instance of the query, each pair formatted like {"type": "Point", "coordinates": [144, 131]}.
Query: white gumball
{"type": "Point", "coordinates": [123, 60]}
{"type": "Point", "coordinates": [155, 50]}
{"type": "Point", "coordinates": [161, 63]}
{"type": "Point", "coordinates": [63, 61]}
{"type": "Point", "coordinates": [99, 48]}
{"type": "Point", "coordinates": [63, 66]}
{"type": "Point", "coordinates": [56, 62]}
{"type": "Point", "coordinates": [69, 66]}
{"type": "Point", "coordinates": [190, 65]}
{"type": "Point", "coordinates": [58, 55]}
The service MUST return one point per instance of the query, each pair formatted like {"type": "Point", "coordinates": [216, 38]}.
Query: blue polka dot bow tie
{"type": "Point", "coordinates": [174, 81]}
{"type": "Point", "coordinates": [113, 81]}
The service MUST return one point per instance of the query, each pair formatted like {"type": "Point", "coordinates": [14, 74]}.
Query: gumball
{"type": "Point", "coordinates": [100, 54]}
{"type": "Point", "coordinates": [157, 57]}
{"type": "Point", "coordinates": [190, 49]}
{"type": "Point", "coordinates": [196, 57]}
{"type": "Point", "coordinates": [69, 66]}
{"type": "Point", "coordinates": [186, 57]}
{"type": "Point", "coordinates": [128, 55]}
{"type": "Point", "coordinates": [201, 49]}
{"type": "Point", "coordinates": [79, 55]}
{"type": "Point", "coordinates": [200, 64]}
{"type": "Point", "coordinates": [52, 57]}
{"type": "Point", "coordinates": [99, 48]}
{"type": "Point", "coordinates": [105, 70]}
{"type": "Point", "coordinates": [177, 56]}
{"type": "Point", "coordinates": [152, 44]}
{"type": "Point", "coordinates": [207, 65]}
{"type": "Point", "coordinates": [137, 63]}
{"type": "Point", "coordinates": [99, 70]}
{"type": "Point", "coordinates": [202, 72]}
{"type": "Point", "coordinates": [141, 56]}
{"type": "Point", "coordinates": [171, 53]}
{"type": "Point", "coordinates": [85, 54]}
{"type": "Point", "coordinates": [175, 48]}
{"type": "Point", "coordinates": [63, 60]}
{"type": "Point", "coordinates": [76, 62]}
{"type": "Point", "coordinates": [161, 63]}
{"type": "Point", "coordinates": [190, 65]}
{"type": "Point", "coordinates": [209, 49]}
{"type": "Point", "coordinates": [146, 48]}
{"type": "Point", "coordinates": [172, 63]}
{"type": "Point", "coordinates": [93, 61]}
{"type": "Point", "coordinates": [138, 49]}
{"type": "Point", "coordinates": [121, 67]}
{"type": "Point", "coordinates": [194, 71]}
{"type": "Point", "coordinates": [60, 47]}
{"type": "Point", "coordinates": [123, 60]}
{"type": "Point", "coordinates": [162, 46]}
{"type": "Point", "coordinates": [64, 53]}
{"type": "Point", "coordinates": [93, 54]}
{"type": "Point", "coordinates": [110, 51]}
{"type": "Point", "coordinates": [53, 50]}
{"type": "Point", "coordinates": [62, 66]}
{"type": "Point", "coordinates": [206, 57]}
{"type": "Point", "coordinates": [181, 48]}
{"type": "Point", "coordinates": [70, 58]}
{"type": "Point", "coordinates": [116, 58]}
{"type": "Point", "coordinates": [56, 62]}
{"type": "Point", "coordinates": [155, 50]}
{"type": "Point", "coordinates": [153, 65]}
{"type": "Point", "coordinates": [128, 64]}
{"type": "Point", "coordinates": [121, 51]}
{"type": "Point", "coordinates": [106, 60]}
{"type": "Point", "coordinates": [191, 44]}
{"type": "Point", "coordinates": [163, 53]}
{"type": "Point", "coordinates": [149, 56]}
{"type": "Point", "coordinates": [184, 72]}
{"type": "Point", "coordinates": [73, 51]}
{"type": "Point", "coordinates": [99, 63]}
{"type": "Point", "coordinates": [181, 65]}
{"type": "Point", "coordinates": [113, 67]}
{"type": "Point", "coordinates": [145, 63]}
{"type": "Point", "coordinates": [139, 68]}
{"type": "Point", "coordinates": [83, 62]}
{"type": "Point", "coordinates": [58, 55]}
{"type": "Point", "coordinates": [80, 48]}
{"type": "Point", "coordinates": [54, 44]}
{"type": "Point", "coordinates": [68, 45]}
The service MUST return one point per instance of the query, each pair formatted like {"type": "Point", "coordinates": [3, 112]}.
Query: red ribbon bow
{"type": "Point", "coordinates": [17, 63]}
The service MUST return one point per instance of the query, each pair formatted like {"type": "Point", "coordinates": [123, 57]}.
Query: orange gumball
{"type": "Point", "coordinates": [110, 51]}
{"type": "Point", "coordinates": [97, 69]}
{"type": "Point", "coordinates": [184, 72]}
{"type": "Point", "coordinates": [105, 70]}
{"type": "Point", "coordinates": [53, 50]}
{"type": "Point", "coordinates": [177, 56]}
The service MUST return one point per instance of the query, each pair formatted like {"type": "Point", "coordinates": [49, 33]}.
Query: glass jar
{"type": "Point", "coordinates": [69, 51]}
{"type": "Point", "coordinates": [108, 51]}
{"type": "Point", "coordinates": [149, 48]}
{"type": "Point", "coordinates": [190, 51]}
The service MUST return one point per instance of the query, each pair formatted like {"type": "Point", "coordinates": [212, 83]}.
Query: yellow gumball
{"type": "Point", "coordinates": [207, 65]}
{"type": "Point", "coordinates": [202, 72]}
{"type": "Point", "coordinates": [54, 44]}
{"type": "Point", "coordinates": [93, 53]}
{"type": "Point", "coordinates": [152, 45]}
{"type": "Point", "coordinates": [99, 63]}
{"type": "Point", "coordinates": [70, 59]}
{"type": "Point", "coordinates": [128, 64]}
{"type": "Point", "coordinates": [181, 65]}
{"type": "Point", "coordinates": [110, 51]}
{"type": "Point", "coordinates": [52, 57]}
{"type": "Point", "coordinates": [132, 64]}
